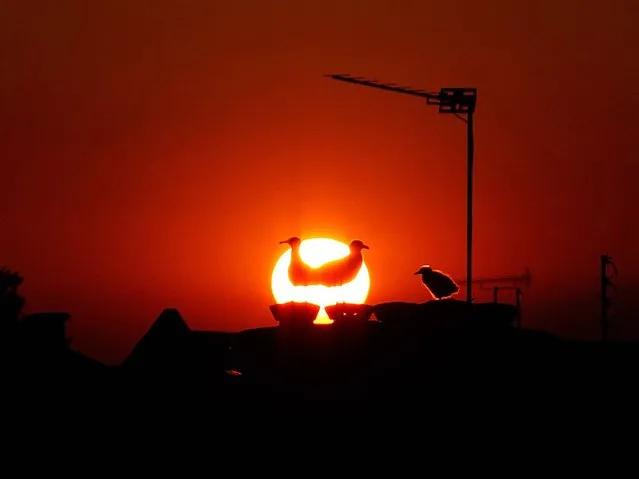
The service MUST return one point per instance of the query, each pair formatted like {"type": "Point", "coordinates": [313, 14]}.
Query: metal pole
{"type": "Point", "coordinates": [604, 298]}
{"type": "Point", "coordinates": [518, 303]}
{"type": "Point", "coordinates": [469, 199]}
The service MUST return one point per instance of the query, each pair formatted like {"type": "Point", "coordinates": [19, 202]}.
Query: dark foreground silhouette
{"type": "Point", "coordinates": [416, 354]}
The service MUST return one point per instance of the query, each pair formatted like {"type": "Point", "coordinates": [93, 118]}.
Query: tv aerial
{"type": "Point", "coordinates": [460, 102]}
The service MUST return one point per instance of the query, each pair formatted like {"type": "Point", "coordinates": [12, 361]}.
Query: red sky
{"type": "Point", "coordinates": [155, 152]}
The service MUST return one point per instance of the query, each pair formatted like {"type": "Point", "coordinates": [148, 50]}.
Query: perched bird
{"type": "Point", "coordinates": [343, 270]}
{"type": "Point", "coordinates": [299, 273]}
{"type": "Point", "coordinates": [439, 284]}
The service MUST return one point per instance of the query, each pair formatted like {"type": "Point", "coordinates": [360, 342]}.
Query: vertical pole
{"type": "Point", "coordinates": [469, 207]}
{"type": "Point", "coordinates": [518, 303]}
{"type": "Point", "coordinates": [604, 299]}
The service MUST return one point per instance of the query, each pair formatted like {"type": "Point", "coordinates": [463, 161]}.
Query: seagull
{"type": "Point", "coordinates": [343, 270]}
{"type": "Point", "coordinates": [438, 283]}
{"type": "Point", "coordinates": [299, 273]}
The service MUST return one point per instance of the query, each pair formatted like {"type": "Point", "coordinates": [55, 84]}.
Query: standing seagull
{"type": "Point", "coordinates": [439, 284]}
{"type": "Point", "coordinates": [299, 273]}
{"type": "Point", "coordinates": [343, 270]}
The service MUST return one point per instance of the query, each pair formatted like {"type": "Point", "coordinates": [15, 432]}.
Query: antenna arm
{"type": "Point", "coordinates": [432, 98]}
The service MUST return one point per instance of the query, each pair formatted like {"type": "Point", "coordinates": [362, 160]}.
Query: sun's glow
{"type": "Point", "coordinates": [315, 252]}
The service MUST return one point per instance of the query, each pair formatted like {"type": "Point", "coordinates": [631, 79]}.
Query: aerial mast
{"type": "Point", "coordinates": [606, 263]}
{"type": "Point", "coordinates": [456, 101]}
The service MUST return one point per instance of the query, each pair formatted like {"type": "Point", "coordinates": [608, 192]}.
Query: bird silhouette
{"type": "Point", "coordinates": [299, 273]}
{"type": "Point", "coordinates": [341, 271]}
{"type": "Point", "coordinates": [438, 283]}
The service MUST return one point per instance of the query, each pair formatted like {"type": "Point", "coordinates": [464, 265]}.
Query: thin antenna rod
{"type": "Point", "coordinates": [606, 283]}
{"type": "Point", "coordinates": [385, 86]}
{"type": "Point", "coordinates": [469, 205]}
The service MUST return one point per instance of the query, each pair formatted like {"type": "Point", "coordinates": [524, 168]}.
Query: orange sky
{"type": "Point", "coordinates": [155, 152]}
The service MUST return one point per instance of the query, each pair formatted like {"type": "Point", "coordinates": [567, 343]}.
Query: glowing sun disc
{"type": "Point", "coordinates": [315, 252]}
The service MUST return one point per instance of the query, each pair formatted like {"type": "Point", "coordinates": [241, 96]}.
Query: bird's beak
{"type": "Point", "coordinates": [416, 272]}
{"type": "Point", "coordinates": [365, 246]}
{"type": "Point", "coordinates": [284, 242]}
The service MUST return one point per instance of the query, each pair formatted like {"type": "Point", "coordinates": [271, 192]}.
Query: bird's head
{"type": "Point", "coordinates": [293, 241]}
{"type": "Point", "coordinates": [424, 270]}
{"type": "Point", "coordinates": [358, 245]}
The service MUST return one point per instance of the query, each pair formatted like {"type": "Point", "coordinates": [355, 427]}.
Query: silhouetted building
{"type": "Point", "coordinates": [171, 354]}
{"type": "Point", "coordinates": [44, 331]}
{"type": "Point", "coordinates": [164, 345]}
{"type": "Point", "coordinates": [42, 342]}
{"type": "Point", "coordinates": [41, 361]}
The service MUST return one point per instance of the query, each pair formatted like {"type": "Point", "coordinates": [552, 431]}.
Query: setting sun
{"type": "Point", "coordinates": [315, 252]}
